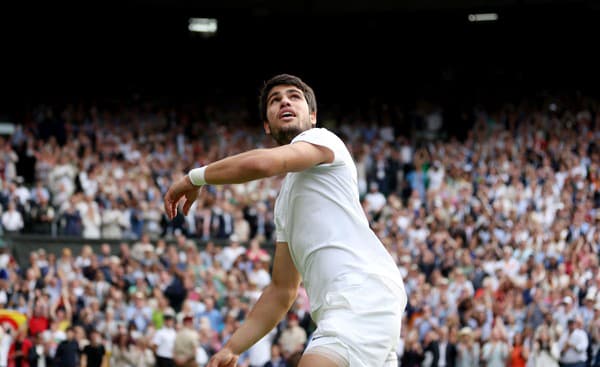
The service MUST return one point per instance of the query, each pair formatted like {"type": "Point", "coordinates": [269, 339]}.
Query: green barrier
{"type": "Point", "coordinates": [21, 245]}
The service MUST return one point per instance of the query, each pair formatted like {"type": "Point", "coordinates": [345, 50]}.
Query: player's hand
{"type": "Point", "coordinates": [180, 189]}
{"type": "Point", "coordinates": [224, 358]}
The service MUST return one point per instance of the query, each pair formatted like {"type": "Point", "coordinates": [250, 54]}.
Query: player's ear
{"type": "Point", "coordinates": [313, 118]}
{"type": "Point", "coordinates": [267, 127]}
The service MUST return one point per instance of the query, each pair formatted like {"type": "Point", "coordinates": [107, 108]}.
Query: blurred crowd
{"type": "Point", "coordinates": [497, 235]}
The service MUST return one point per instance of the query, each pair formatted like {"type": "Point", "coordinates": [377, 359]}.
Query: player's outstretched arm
{"type": "Point", "coordinates": [248, 166]}
{"type": "Point", "coordinates": [271, 307]}
{"type": "Point", "coordinates": [261, 163]}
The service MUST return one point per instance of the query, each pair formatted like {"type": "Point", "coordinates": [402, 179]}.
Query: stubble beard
{"type": "Point", "coordinates": [286, 133]}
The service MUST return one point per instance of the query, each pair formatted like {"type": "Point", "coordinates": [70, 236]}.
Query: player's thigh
{"type": "Point", "coordinates": [318, 360]}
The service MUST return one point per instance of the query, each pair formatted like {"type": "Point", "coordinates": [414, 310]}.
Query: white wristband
{"type": "Point", "coordinates": [197, 176]}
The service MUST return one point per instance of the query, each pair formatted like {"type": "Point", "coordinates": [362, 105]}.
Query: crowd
{"type": "Point", "coordinates": [497, 236]}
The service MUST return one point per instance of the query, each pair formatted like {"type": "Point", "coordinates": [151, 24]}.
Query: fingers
{"type": "Point", "coordinates": [171, 206]}
{"type": "Point", "coordinates": [190, 197]}
{"type": "Point", "coordinates": [223, 360]}
{"type": "Point", "coordinates": [167, 204]}
{"type": "Point", "coordinates": [214, 362]}
{"type": "Point", "coordinates": [176, 193]}
{"type": "Point", "coordinates": [174, 209]}
{"type": "Point", "coordinates": [233, 362]}
{"type": "Point", "coordinates": [186, 206]}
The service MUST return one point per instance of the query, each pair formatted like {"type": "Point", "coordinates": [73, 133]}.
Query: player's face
{"type": "Point", "coordinates": [288, 113]}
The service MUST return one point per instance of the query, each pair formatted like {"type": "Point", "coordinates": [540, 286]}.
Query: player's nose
{"type": "Point", "coordinates": [285, 101]}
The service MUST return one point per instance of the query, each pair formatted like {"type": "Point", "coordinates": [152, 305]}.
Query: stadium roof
{"type": "Point", "coordinates": [312, 7]}
{"type": "Point", "coordinates": [108, 46]}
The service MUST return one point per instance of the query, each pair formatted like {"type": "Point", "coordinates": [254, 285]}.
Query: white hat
{"type": "Point", "coordinates": [568, 300]}
{"type": "Point", "coordinates": [465, 331]}
{"type": "Point", "coordinates": [169, 312]}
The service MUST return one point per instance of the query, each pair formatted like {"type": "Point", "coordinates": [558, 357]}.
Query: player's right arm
{"type": "Point", "coordinates": [271, 307]}
{"type": "Point", "coordinates": [251, 165]}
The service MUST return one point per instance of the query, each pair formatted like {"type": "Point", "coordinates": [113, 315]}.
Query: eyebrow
{"type": "Point", "coordinates": [287, 91]}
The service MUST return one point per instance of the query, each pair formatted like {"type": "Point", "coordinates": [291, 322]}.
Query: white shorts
{"type": "Point", "coordinates": [359, 322]}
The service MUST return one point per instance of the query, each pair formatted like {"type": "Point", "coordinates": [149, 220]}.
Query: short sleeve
{"type": "Point", "coordinates": [325, 138]}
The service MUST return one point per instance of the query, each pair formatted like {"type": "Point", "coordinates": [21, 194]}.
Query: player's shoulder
{"type": "Point", "coordinates": [315, 133]}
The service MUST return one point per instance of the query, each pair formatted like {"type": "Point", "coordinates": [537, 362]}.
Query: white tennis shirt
{"type": "Point", "coordinates": [319, 214]}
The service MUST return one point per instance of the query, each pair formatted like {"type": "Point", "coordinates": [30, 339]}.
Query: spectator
{"type": "Point", "coordinates": [201, 355]}
{"type": "Point", "coordinates": [260, 275]}
{"type": "Point", "coordinates": [113, 220]}
{"type": "Point", "coordinates": [185, 347]}
{"type": "Point", "coordinates": [241, 227]}
{"type": "Point", "coordinates": [70, 219]}
{"type": "Point", "coordinates": [573, 344]}
{"type": "Point", "coordinates": [495, 352]}
{"type": "Point", "coordinates": [163, 341]}
{"type": "Point", "coordinates": [546, 351]}
{"type": "Point", "coordinates": [39, 320]}
{"type": "Point", "coordinates": [140, 354]}
{"type": "Point", "coordinates": [19, 351]}
{"type": "Point", "coordinates": [39, 353]}
{"type": "Point", "coordinates": [138, 312]}
{"type": "Point", "coordinates": [276, 359]}
{"type": "Point", "coordinates": [41, 216]}
{"type": "Point", "coordinates": [67, 352]}
{"type": "Point", "coordinates": [412, 355]}
{"type": "Point", "coordinates": [467, 349]}
{"type": "Point", "coordinates": [447, 348]}
{"type": "Point", "coordinates": [94, 354]}
{"type": "Point", "coordinates": [375, 201]}
{"type": "Point", "coordinates": [8, 158]}
{"type": "Point", "coordinates": [121, 355]}
{"type": "Point", "coordinates": [293, 338]}
{"type": "Point", "coordinates": [519, 353]}
{"type": "Point", "coordinates": [255, 252]}
{"type": "Point", "coordinates": [12, 220]}
{"type": "Point", "coordinates": [566, 311]}
{"type": "Point", "coordinates": [108, 327]}
{"type": "Point", "coordinates": [431, 351]}
{"type": "Point", "coordinates": [260, 354]}
{"type": "Point", "coordinates": [230, 253]}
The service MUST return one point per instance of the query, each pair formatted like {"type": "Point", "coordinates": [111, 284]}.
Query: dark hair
{"type": "Point", "coordinates": [285, 79]}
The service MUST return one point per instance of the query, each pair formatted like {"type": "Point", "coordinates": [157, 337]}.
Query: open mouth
{"type": "Point", "coordinates": [287, 115]}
